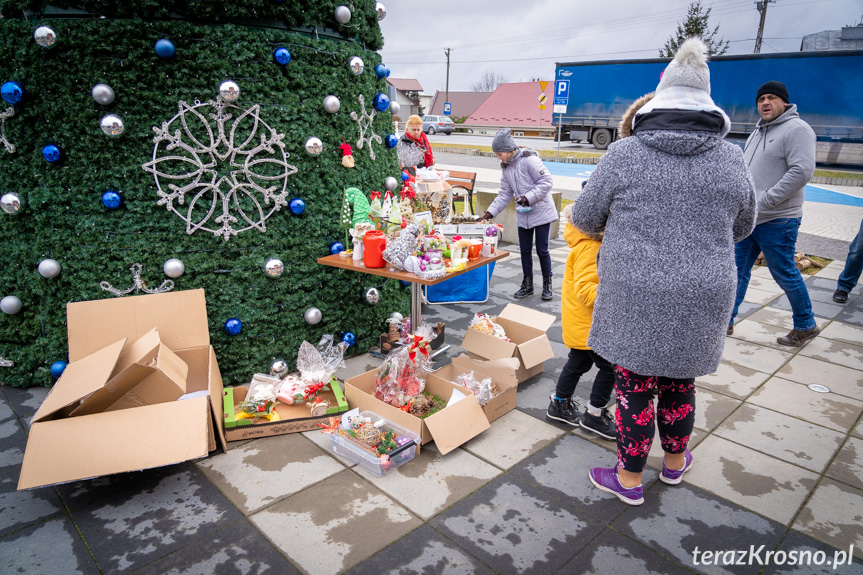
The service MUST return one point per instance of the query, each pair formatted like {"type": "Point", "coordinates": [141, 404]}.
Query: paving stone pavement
{"type": "Point", "coordinates": [776, 465]}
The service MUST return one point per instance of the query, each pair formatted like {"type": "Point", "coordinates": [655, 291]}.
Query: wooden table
{"type": "Point", "coordinates": [347, 263]}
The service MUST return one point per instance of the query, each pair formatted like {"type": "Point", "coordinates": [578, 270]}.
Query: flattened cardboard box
{"type": "Point", "coordinates": [294, 418]}
{"type": "Point", "coordinates": [448, 428]}
{"type": "Point", "coordinates": [501, 372]}
{"type": "Point", "coordinates": [529, 343]}
{"type": "Point", "coordinates": [61, 448]}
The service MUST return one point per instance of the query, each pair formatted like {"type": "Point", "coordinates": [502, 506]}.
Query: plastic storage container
{"type": "Point", "coordinates": [382, 464]}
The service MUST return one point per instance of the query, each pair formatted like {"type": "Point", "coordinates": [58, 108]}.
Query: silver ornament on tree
{"type": "Point", "coordinates": [332, 104]}
{"type": "Point", "coordinates": [112, 125]}
{"type": "Point", "coordinates": [103, 94]}
{"type": "Point", "coordinates": [343, 15]}
{"type": "Point", "coordinates": [314, 146]}
{"type": "Point", "coordinates": [279, 368]}
{"type": "Point", "coordinates": [10, 305]}
{"type": "Point", "coordinates": [313, 316]}
{"type": "Point", "coordinates": [371, 295]}
{"type": "Point", "coordinates": [395, 108]}
{"type": "Point", "coordinates": [356, 65]}
{"type": "Point", "coordinates": [390, 183]}
{"type": "Point", "coordinates": [274, 267]}
{"type": "Point", "coordinates": [381, 10]}
{"type": "Point", "coordinates": [11, 203]}
{"type": "Point", "coordinates": [45, 36]}
{"type": "Point", "coordinates": [174, 268]}
{"type": "Point", "coordinates": [49, 268]}
{"type": "Point", "coordinates": [229, 91]}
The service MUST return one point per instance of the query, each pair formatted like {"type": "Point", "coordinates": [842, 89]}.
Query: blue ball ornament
{"type": "Point", "coordinates": [282, 56]}
{"type": "Point", "coordinates": [12, 92]}
{"type": "Point", "coordinates": [381, 102]}
{"type": "Point", "coordinates": [52, 153]}
{"type": "Point", "coordinates": [57, 368]}
{"type": "Point", "coordinates": [382, 71]}
{"type": "Point", "coordinates": [164, 48]}
{"type": "Point", "coordinates": [111, 200]}
{"type": "Point", "coordinates": [391, 141]}
{"type": "Point", "coordinates": [297, 206]}
{"type": "Point", "coordinates": [336, 247]}
{"type": "Point", "coordinates": [349, 338]}
{"type": "Point", "coordinates": [405, 176]}
{"type": "Point", "coordinates": [233, 326]}
{"type": "Point", "coordinates": [405, 283]}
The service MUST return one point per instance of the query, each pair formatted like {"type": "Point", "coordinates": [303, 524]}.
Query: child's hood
{"type": "Point", "coordinates": [572, 234]}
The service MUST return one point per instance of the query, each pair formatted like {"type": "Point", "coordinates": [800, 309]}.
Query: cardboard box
{"type": "Point", "coordinates": [526, 328]}
{"type": "Point", "coordinates": [293, 418]}
{"type": "Point", "coordinates": [502, 373]}
{"type": "Point", "coordinates": [63, 448]}
{"type": "Point", "coordinates": [448, 428]}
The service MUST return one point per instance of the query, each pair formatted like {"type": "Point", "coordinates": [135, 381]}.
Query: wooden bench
{"type": "Point", "coordinates": [462, 187]}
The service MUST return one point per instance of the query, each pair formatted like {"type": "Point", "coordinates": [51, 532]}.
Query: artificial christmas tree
{"type": "Point", "coordinates": [159, 141]}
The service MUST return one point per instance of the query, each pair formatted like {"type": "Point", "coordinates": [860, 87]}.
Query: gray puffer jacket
{"type": "Point", "coordinates": [672, 204]}
{"type": "Point", "coordinates": [526, 175]}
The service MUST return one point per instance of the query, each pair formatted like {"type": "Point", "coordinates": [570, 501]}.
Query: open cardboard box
{"type": "Point", "coordinates": [530, 344]}
{"type": "Point", "coordinates": [107, 338]}
{"type": "Point", "coordinates": [293, 418]}
{"type": "Point", "coordinates": [502, 373]}
{"type": "Point", "coordinates": [448, 428]}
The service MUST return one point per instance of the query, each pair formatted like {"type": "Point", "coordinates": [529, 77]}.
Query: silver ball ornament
{"type": "Point", "coordinates": [356, 65]}
{"type": "Point", "coordinates": [314, 146]}
{"type": "Point", "coordinates": [395, 108]}
{"type": "Point", "coordinates": [274, 267]}
{"type": "Point", "coordinates": [390, 183]}
{"type": "Point", "coordinates": [279, 368]}
{"type": "Point", "coordinates": [49, 268]}
{"type": "Point", "coordinates": [10, 305]}
{"type": "Point", "coordinates": [313, 316]}
{"type": "Point", "coordinates": [371, 295]}
{"type": "Point", "coordinates": [381, 10]}
{"type": "Point", "coordinates": [174, 268]}
{"type": "Point", "coordinates": [343, 15]}
{"type": "Point", "coordinates": [332, 104]}
{"type": "Point", "coordinates": [112, 125]}
{"type": "Point", "coordinates": [45, 36]}
{"type": "Point", "coordinates": [397, 317]}
{"type": "Point", "coordinates": [103, 94]}
{"type": "Point", "coordinates": [11, 203]}
{"type": "Point", "coordinates": [229, 91]}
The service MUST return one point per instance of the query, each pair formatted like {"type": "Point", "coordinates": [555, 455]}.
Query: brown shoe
{"type": "Point", "coordinates": [730, 330]}
{"type": "Point", "coordinates": [797, 338]}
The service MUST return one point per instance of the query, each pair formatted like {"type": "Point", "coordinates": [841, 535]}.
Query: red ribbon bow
{"type": "Point", "coordinates": [389, 194]}
{"type": "Point", "coordinates": [373, 194]}
{"type": "Point", "coordinates": [408, 192]}
{"type": "Point", "coordinates": [420, 344]}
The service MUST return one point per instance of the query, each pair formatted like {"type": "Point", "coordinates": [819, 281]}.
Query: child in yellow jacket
{"type": "Point", "coordinates": [577, 296]}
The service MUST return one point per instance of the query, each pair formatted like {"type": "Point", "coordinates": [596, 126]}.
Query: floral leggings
{"type": "Point", "coordinates": [635, 429]}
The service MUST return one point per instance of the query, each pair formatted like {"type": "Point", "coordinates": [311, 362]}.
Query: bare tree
{"type": "Point", "coordinates": [696, 24]}
{"type": "Point", "coordinates": [488, 81]}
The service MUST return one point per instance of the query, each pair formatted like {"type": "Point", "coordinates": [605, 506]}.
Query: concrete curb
{"type": "Point", "coordinates": [836, 181]}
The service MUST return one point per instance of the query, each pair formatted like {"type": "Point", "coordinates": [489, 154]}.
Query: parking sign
{"type": "Point", "coordinates": [447, 108]}
{"type": "Point", "coordinates": [561, 96]}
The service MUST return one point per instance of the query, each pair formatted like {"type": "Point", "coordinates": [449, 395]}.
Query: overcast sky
{"type": "Point", "coordinates": [522, 39]}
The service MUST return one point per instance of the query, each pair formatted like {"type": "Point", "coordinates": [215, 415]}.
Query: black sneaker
{"type": "Point", "coordinates": [564, 410]}
{"type": "Point", "coordinates": [602, 425]}
{"type": "Point", "coordinates": [840, 296]}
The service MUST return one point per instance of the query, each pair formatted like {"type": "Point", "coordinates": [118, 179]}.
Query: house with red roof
{"type": "Point", "coordinates": [463, 103]}
{"type": "Point", "coordinates": [405, 91]}
{"type": "Point", "coordinates": [515, 105]}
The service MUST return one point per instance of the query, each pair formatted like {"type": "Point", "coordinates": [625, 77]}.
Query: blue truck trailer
{"type": "Point", "coordinates": [590, 97]}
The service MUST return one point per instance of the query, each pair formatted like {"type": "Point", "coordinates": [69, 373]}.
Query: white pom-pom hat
{"type": "Point", "coordinates": [689, 67]}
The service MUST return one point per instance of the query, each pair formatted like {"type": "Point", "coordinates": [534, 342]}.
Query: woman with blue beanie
{"type": "Point", "coordinates": [526, 180]}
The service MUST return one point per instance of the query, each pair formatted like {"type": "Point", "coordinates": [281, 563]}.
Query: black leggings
{"type": "Point", "coordinates": [675, 415]}
{"type": "Point", "coordinates": [525, 245]}
{"type": "Point", "coordinates": [579, 362]}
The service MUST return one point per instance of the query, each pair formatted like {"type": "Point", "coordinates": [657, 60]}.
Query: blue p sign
{"type": "Point", "coordinates": [561, 92]}
{"type": "Point", "coordinates": [447, 108]}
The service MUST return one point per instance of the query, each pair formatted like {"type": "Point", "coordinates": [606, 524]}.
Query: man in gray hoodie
{"type": "Point", "coordinates": [780, 154]}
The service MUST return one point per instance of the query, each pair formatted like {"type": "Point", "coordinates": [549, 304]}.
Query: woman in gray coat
{"type": "Point", "coordinates": [672, 200]}
{"type": "Point", "coordinates": [526, 179]}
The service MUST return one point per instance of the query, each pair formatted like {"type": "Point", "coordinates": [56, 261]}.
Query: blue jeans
{"type": "Point", "coordinates": [776, 239]}
{"type": "Point", "coordinates": [525, 246]}
{"type": "Point", "coordinates": [853, 263]}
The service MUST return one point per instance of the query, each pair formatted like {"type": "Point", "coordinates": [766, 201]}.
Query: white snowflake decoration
{"type": "Point", "coordinates": [180, 156]}
{"type": "Point", "coordinates": [365, 123]}
{"type": "Point", "coordinates": [137, 284]}
{"type": "Point", "coordinates": [5, 115]}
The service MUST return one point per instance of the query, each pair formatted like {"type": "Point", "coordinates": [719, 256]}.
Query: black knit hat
{"type": "Point", "coordinates": [775, 88]}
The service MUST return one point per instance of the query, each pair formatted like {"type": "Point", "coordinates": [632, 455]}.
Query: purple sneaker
{"type": "Point", "coordinates": [673, 477]}
{"type": "Point", "coordinates": [605, 479]}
